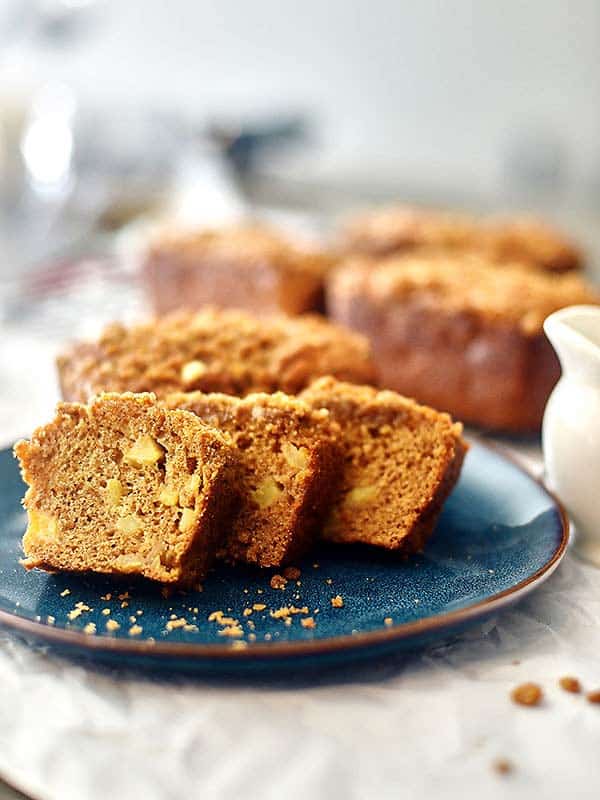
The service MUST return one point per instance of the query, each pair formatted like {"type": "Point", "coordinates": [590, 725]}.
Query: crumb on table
{"type": "Point", "coordinates": [502, 766]}
{"type": "Point", "coordinates": [527, 694]}
{"type": "Point", "coordinates": [570, 684]}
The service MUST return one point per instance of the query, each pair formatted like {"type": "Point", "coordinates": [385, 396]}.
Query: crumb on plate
{"type": "Point", "coordinates": [278, 582]}
{"type": "Point", "coordinates": [292, 573]}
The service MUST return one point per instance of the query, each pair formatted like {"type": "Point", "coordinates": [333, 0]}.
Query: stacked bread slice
{"type": "Point", "coordinates": [129, 484]}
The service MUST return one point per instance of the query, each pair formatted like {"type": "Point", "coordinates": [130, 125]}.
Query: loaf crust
{"type": "Point", "coordinates": [125, 487]}
{"type": "Point", "coordinates": [213, 351]}
{"type": "Point", "coordinates": [245, 267]}
{"type": "Point", "coordinates": [288, 459]}
{"type": "Point", "coordinates": [401, 461]}
{"type": "Point", "coordinates": [458, 334]}
{"type": "Point", "coordinates": [403, 229]}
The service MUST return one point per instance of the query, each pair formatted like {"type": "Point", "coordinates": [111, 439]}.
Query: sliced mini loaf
{"type": "Point", "coordinates": [251, 267]}
{"type": "Point", "coordinates": [401, 461]}
{"type": "Point", "coordinates": [123, 486]}
{"type": "Point", "coordinates": [288, 470]}
{"type": "Point", "coordinates": [405, 229]}
{"type": "Point", "coordinates": [214, 351]}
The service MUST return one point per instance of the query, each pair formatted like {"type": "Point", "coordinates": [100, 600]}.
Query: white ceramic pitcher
{"type": "Point", "coordinates": [571, 428]}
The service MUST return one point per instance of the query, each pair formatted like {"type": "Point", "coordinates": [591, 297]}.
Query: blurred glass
{"type": "Point", "coordinates": [36, 133]}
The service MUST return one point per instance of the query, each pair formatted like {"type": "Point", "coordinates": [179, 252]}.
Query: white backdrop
{"type": "Point", "coordinates": [436, 91]}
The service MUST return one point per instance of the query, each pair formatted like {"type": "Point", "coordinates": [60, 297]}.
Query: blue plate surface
{"type": "Point", "coordinates": [500, 535]}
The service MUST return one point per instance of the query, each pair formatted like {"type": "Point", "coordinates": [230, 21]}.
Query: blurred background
{"type": "Point", "coordinates": [116, 115]}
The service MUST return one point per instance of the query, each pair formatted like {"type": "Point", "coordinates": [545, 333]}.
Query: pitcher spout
{"type": "Point", "coordinates": [574, 332]}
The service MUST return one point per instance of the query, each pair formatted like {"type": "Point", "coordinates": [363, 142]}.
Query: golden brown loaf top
{"type": "Point", "coordinates": [124, 486]}
{"type": "Point", "coordinates": [529, 241]}
{"type": "Point", "coordinates": [241, 245]}
{"type": "Point", "coordinates": [288, 465]}
{"type": "Point", "coordinates": [453, 284]}
{"type": "Point", "coordinates": [391, 229]}
{"type": "Point", "coordinates": [523, 239]}
{"type": "Point", "coordinates": [401, 461]}
{"type": "Point", "coordinates": [212, 350]}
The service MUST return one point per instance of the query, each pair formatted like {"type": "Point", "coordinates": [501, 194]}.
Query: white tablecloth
{"type": "Point", "coordinates": [425, 726]}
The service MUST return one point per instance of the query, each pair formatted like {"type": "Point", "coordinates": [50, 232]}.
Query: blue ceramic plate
{"type": "Point", "coordinates": [500, 535]}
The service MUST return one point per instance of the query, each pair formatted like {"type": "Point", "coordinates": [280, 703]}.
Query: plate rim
{"type": "Point", "coordinates": [266, 651]}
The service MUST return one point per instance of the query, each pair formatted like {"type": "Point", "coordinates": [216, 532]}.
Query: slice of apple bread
{"type": "Point", "coordinates": [288, 470]}
{"type": "Point", "coordinates": [401, 461]}
{"type": "Point", "coordinates": [125, 486]}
